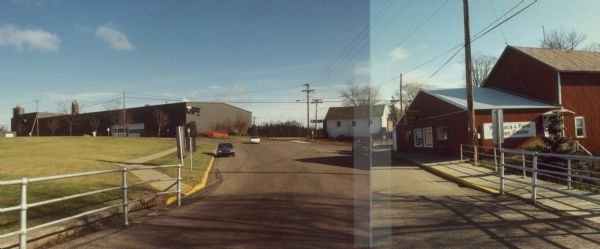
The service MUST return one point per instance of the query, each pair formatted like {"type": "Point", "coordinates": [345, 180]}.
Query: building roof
{"type": "Point", "coordinates": [564, 60]}
{"type": "Point", "coordinates": [352, 112]}
{"type": "Point", "coordinates": [487, 99]}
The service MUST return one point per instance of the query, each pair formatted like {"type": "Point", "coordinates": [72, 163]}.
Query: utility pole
{"type": "Point", "coordinates": [469, 77]}
{"type": "Point", "coordinates": [401, 103]}
{"type": "Point", "coordinates": [316, 101]}
{"type": "Point", "coordinates": [37, 123]}
{"type": "Point", "coordinates": [124, 119]}
{"type": "Point", "coordinates": [307, 91]}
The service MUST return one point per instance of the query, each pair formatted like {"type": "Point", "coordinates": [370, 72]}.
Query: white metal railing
{"type": "Point", "coordinates": [573, 171]}
{"type": "Point", "coordinates": [23, 206]}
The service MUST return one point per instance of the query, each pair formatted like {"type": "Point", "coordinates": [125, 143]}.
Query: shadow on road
{"type": "Point", "coordinates": [478, 221]}
{"type": "Point", "coordinates": [248, 221]}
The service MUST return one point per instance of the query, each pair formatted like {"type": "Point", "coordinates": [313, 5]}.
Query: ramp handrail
{"type": "Point", "coordinates": [24, 182]}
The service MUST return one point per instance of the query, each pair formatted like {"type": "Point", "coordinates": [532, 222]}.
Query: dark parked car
{"type": "Point", "coordinates": [225, 149]}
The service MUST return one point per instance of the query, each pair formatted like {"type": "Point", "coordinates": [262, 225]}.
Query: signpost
{"type": "Point", "coordinates": [191, 162]}
{"type": "Point", "coordinates": [498, 134]}
{"type": "Point", "coordinates": [498, 127]}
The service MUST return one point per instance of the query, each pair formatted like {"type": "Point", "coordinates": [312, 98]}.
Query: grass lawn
{"type": "Point", "coordinates": [200, 161]}
{"type": "Point", "coordinates": [46, 156]}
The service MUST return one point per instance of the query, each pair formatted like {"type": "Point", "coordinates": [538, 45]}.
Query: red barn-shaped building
{"type": "Point", "coordinates": [528, 84]}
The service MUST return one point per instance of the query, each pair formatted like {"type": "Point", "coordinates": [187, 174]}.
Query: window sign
{"type": "Point", "coordinates": [428, 137]}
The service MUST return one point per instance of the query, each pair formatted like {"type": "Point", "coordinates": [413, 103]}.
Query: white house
{"type": "Point", "coordinates": [355, 121]}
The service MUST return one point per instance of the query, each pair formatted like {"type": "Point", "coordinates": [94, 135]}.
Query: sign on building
{"type": "Point", "coordinates": [511, 130]}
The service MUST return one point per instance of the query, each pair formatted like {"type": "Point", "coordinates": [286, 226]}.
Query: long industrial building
{"type": "Point", "coordinates": [139, 121]}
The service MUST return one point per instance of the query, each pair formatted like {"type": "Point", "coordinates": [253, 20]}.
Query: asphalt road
{"type": "Point", "coordinates": [413, 208]}
{"type": "Point", "coordinates": [271, 195]}
{"type": "Point", "coordinates": [292, 195]}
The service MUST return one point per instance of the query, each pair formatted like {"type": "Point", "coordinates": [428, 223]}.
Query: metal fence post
{"type": "Point", "coordinates": [524, 164]}
{"type": "Point", "coordinates": [179, 185]}
{"type": "Point", "coordinates": [496, 159]}
{"type": "Point", "coordinates": [461, 153]}
{"type": "Point", "coordinates": [23, 231]}
{"type": "Point", "coordinates": [125, 197]}
{"type": "Point", "coordinates": [569, 174]}
{"type": "Point", "coordinates": [501, 170]}
{"type": "Point", "coordinates": [534, 178]}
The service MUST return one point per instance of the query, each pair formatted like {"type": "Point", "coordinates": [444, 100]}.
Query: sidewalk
{"type": "Point", "coordinates": [487, 180]}
{"type": "Point", "coordinates": [152, 174]}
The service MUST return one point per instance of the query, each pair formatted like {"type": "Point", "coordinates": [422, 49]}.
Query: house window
{"type": "Point", "coordinates": [428, 137]}
{"type": "Point", "coordinates": [408, 136]}
{"type": "Point", "coordinates": [339, 123]}
{"type": "Point", "coordinates": [418, 133]}
{"type": "Point", "coordinates": [353, 123]}
{"type": "Point", "coordinates": [442, 133]}
{"type": "Point", "coordinates": [579, 127]}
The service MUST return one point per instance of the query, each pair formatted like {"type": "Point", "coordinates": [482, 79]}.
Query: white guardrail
{"type": "Point", "coordinates": [23, 206]}
{"type": "Point", "coordinates": [573, 171]}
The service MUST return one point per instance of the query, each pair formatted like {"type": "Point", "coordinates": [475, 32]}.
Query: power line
{"type": "Point", "coordinates": [417, 28]}
{"type": "Point", "coordinates": [478, 35]}
{"type": "Point", "coordinates": [346, 53]}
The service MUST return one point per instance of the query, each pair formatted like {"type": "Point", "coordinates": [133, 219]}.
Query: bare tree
{"type": "Point", "coordinates": [3, 130]}
{"type": "Point", "coordinates": [482, 66]}
{"type": "Point", "coordinates": [94, 123]}
{"type": "Point", "coordinates": [562, 39]}
{"type": "Point", "coordinates": [53, 125]}
{"type": "Point", "coordinates": [410, 91]}
{"type": "Point", "coordinates": [161, 119]}
{"type": "Point", "coordinates": [356, 95]}
{"type": "Point", "coordinates": [68, 117]}
{"type": "Point", "coordinates": [240, 126]}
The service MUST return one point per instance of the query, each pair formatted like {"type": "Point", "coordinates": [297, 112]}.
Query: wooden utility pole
{"type": "Point", "coordinates": [124, 119]}
{"type": "Point", "coordinates": [401, 103]}
{"type": "Point", "coordinates": [316, 101]}
{"type": "Point", "coordinates": [308, 91]}
{"type": "Point", "coordinates": [37, 114]}
{"type": "Point", "coordinates": [469, 77]}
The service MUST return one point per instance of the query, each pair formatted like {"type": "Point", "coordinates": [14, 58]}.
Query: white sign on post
{"type": "Point", "coordinates": [498, 126]}
{"type": "Point", "coordinates": [511, 130]}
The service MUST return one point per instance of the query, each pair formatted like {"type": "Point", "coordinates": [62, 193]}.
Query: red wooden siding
{"type": "Point", "coordinates": [581, 94]}
{"type": "Point", "coordinates": [435, 113]}
{"type": "Point", "coordinates": [518, 73]}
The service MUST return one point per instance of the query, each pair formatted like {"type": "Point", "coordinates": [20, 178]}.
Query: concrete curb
{"type": "Point", "coordinates": [459, 180]}
{"type": "Point", "coordinates": [199, 186]}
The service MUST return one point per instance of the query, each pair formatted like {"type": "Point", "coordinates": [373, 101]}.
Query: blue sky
{"type": "Point", "coordinates": [248, 50]}
{"type": "Point", "coordinates": [389, 56]}
{"type": "Point", "coordinates": [200, 50]}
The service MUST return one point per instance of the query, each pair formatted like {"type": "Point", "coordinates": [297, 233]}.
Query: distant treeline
{"type": "Point", "coordinates": [279, 129]}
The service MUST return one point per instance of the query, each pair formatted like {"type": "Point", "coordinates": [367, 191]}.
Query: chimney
{"type": "Point", "coordinates": [18, 111]}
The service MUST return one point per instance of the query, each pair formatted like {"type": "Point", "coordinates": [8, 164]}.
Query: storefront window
{"type": "Point", "coordinates": [418, 137]}
{"type": "Point", "coordinates": [428, 137]}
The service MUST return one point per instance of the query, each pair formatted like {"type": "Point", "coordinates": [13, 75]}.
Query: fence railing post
{"type": "Point", "coordinates": [23, 221]}
{"type": "Point", "coordinates": [179, 185]}
{"type": "Point", "coordinates": [501, 170]}
{"type": "Point", "coordinates": [125, 197]}
{"type": "Point", "coordinates": [569, 174]}
{"type": "Point", "coordinates": [461, 153]}
{"type": "Point", "coordinates": [524, 163]}
{"type": "Point", "coordinates": [534, 170]}
{"type": "Point", "coordinates": [495, 160]}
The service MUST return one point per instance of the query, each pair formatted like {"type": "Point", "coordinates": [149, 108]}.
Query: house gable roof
{"type": "Point", "coordinates": [564, 60]}
{"type": "Point", "coordinates": [352, 112]}
{"type": "Point", "coordinates": [486, 99]}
